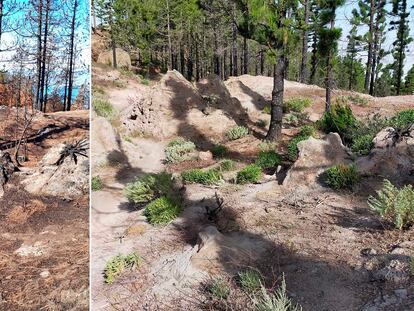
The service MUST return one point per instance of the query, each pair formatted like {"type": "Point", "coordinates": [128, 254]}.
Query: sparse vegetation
{"type": "Point", "coordinates": [145, 81]}
{"type": "Point", "coordinates": [297, 104]}
{"type": "Point", "coordinates": [103, 107]}
{"type": "Point", "coordinates": [149, 187]}
{"type": "Point", "coordinates": [96, 183]}
{"type": "Point", "coordinates": [342, 176]}
{"type": "Point", "coordinates": [358, 100]}
{"type": "Point", "coordinates": [362, 145]}
{"type": "Point", "coordinates": [227, 165]}
{"type": "Point", "coordinates": [402, 119]}
{"type": "Point", "coordinates": [219, 289]}
{"type": "Point", "coordinates": [266, 110]}
{"type": "Point", "coordinates": [250, 174]}
{"type": "Point", "coordinates": [268, 159]}
{"type": "Point", "coordinates": [162, 211]}
{"type": "Point", "coordinates": [115, 266]}
{"type": "Point", "coordinates": [219, 151]}
{"type": "Point", "coordinates": [237, 132]}
{"type": "Point", "coordinates": [250, 281]}
{"type": "Point", "coordinates": [204, 177]}
{"type": "Point", "coordinates": [179, 150]}
{"type": "Point", "coordinates": [395, 205]}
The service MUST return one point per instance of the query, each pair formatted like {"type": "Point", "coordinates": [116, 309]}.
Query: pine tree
{"type": "Point", "coordinates": [409, 82]}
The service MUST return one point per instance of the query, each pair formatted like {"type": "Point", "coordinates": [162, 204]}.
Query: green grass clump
{"type": "Point", "coordinates": [103, 107]}
{"type": "Point", "coordinates": [219, 151]}
{"type": "Point", "coordinates": [227, 165]}
{"type": "Point", "coordinates": [250, 174]}
{"type": "Point", "coordinates": [145, 82]}
{"type": "Point", "coordinates": [118, 264]}
{"type": "Point", "coordinates": [179, 150]}
{"type": "Point", "coordinates": [267, 110]}
{"type": "Point", "coordinates": [219, 289]}
{"type": "Point", "coordinates": [197, 176]}
{"type": "Point", "coordinates": [96, 183]}
{"type": "Point", "coordinates": [268, 159]}
{"type": "Point", "coordinates": [402, 119]}
{"type": "Point", "coordinates": [149, 187]}
{"type": "Point", "coordinates": [395, 205]}
{"type": "Point", "coordinates": [340, 120]}
{"type": "Point", "coordinates": [342, 176]}
{"type": "Point", "coordinates": [162, 211]}
{"type": "Point", "coordinates": [362, 145]}
{"type": "Point", "coordinates": [297, 104]}
{"type": "Point", "coordinates": [237, 132]}
{"type": "Point", "coordinates": [250, 280]}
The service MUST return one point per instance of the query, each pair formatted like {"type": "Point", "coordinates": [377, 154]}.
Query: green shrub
{"type": "Point", "coordinates": [342, 176]}
{"type": "Point", "coordinates": [250, 280]}
{"type": "Point", "coordinates": [219, 151]}
{"type": "Point", "coordinates": [96, 183]}
{"type": "Point", "coordinates": [118, 264]}
{"type": "Point", "coordinates": [219, 289]}
{"type": "Point", "coordinates": [149, 187]}
{"type": "Point", "coordinates": [395, 205]}
{"type": "Point", "coordinates": [340, 120]}
{"type": "Point", "coordinates": [237, 132]}
{"type": "Point", "coordinates": [250, 174]}
{"type": "Point", "coordinates": [267, 110]}
{"type": "Point", "coordinates": [162, 211]}
{"type": "Point", "coordinates": [362, 145]}
{"type": "Point", "coordinates": [145, 82]}
{"type": "Point", "coordinates": [306, 131]}
{"type": "Point", "coordinates": [402, 119]}
{"type": "Point", "coordinates": [103, 107]}
{"type": "Point", "coordinates": [297, 104]}
{"type": "Point", "coordinates": [227, 165]}
{"type": "Point", "coordinates": [179, 150]}
{"type": "Point", "coordinates": [197, 176]}
{"type": "Point", "coordinates": [268, 159]}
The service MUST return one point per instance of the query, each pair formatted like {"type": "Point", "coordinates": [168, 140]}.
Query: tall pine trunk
{"type": "Point", "coordinates": [72, 55]}
{"type": "Point", "coordinates": [275, 128]}
{"type": "Point", "coordinates": [370, 46]}
{"type": "Point", "coordinates": [304, 61]}
{"type": "Point", "coordinates": [245, 56]}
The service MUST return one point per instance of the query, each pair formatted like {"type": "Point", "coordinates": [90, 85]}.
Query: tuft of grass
{"type": "Point", "coordinates": [219, 151]}
{"type": "Point", "coordinates": [268, 159]}
{"type": "Point", "coordinates": [96, 183]}
{"type": "Point", "coordinates": [250, 281]}
{"type": "Point", "coordinates": [250, 174]}
{"type": "Point", "coordinates": [179, 150]}
{"type": "Point", "coordinates": [115, 266]}
{"type": "Point", "coordinates": [127, 139]}
{"type": "Point", "coordinates": [342, 176]}
{"type": "Point", "coordinates": [362, 145]}
{"type": "Point", "coordinates": [162, 211]}
{"type": "Point", "coordinates": [267, 110]}
{"type": "Point", "coordinates": [103, 107]}
{"type": "Point", "coordinates": [237, 132]}
{"type": "Point", "coordinates": [145, 82]}
{"type": "Point", "coordinates": [297, 104]}
{"type": "Point", "coordinates": [227, 165]}
{"type": "Point", "coordinates": [219, 289]}
{"type": "Point", "coordinates": [395, 205]}
{"type": "Point", "coordinates": [402, 119]}
{"type": "Point", "coordinates": [198, 176]}
{"type": "Point", "coordinates": [148, 187]}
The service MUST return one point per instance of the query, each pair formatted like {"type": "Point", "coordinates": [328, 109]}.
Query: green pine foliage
{"type": "Point", "coordinates": [204, 177]}
{"type": "Point", "coordinates": [179, 150]}
{"type": "Point", "coordinates": [237, 132]}
{"type": "Point", "coordinates": [250, 280]}
{"type": "Point", "coordinates": [339, 119]}
{"type": "Point", "coordinates": [341, 176]}
{"type": "Point", "coordinates": [227, 165]}
{"type": "Point", "coordinates": [118, 264]}
{"type": "Point", "coordinates": [268, 159]}
{"type": "Point", "coordinates": [149, 187]}
{"type": "Point", "coordinates": [297, 104]}
{"type": "Point", "coordinates": [162, 210]}
{"type": "Point", "coordinates": [219, 151]}
{"type": "Point", "coordinates": [96, 183]}
{"type": "Point", "coordinates": [219, 289]}
{"type": "Point", "coordinates": [250, 174]}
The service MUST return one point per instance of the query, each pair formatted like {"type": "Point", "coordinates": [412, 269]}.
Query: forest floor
{"type": "Point", "coordinates": [44, 252]}
{"type": "Point", "coordinates": [316, 237]}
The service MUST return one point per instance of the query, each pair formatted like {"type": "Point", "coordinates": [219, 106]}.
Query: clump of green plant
{"type": "Point", "coordinates": [179, 150]}
{"type": "Point", "coordinates": [250, 174]}
{"type": "Point", "coordinates": [267, 110]}
{"type": "Point", "coordinates": [219, 289]}
{"type": "Point", "coordinates": [145, 82]}
{"type": "Point", "coordinates": [103, 107]}
{"type": "Point", "coordinates": [297, 104]}
{"type": "Point", "coordinates": [278, 301]}
{"type": "Point", "coordinates": [149, 187]}
{"type": "Point", "coordinates": [395, 205]}
{"type": "Point", "coordinates": [358, 100]}
{"type": "Point", "coordinates": [262, 123]}
{"type": "Point", "coordinates": [250, 280]}
{"type": "Point", "coordinates": [198, 176]}
{"type": "Point", "coordinates": [402, 119]}
{"type": "Point", "coordinates": [268, 159]}
{"type": "Point", "coordinates": [306, 131]}
{"type": "Point", "coordinates": [340, 119]}
{"type": "Point", "coordinates": [219, 151]}
{"type": "Point", "coordinates": [162, 210]}
{"type": "Point", "coordinates": [342, 176]}
{"type": "Point", "coordinates": [96, 183]}
{"type": "Point", "coordinates": [128, 139]}
{"type": "Point", "coordinates": [227, 165]}
{"type": "Point", "coordinates": [237, 132]}
{"type": "Point", "coordinates": [362, 145]}
{"type": "Point", "coordinates": [115, 266]}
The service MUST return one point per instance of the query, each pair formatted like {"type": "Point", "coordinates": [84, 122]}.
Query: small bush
{"type": "Point", "coordinates": [227, 165]}
{"type": "Point", "coordinates": [219, 289]}
{"type": "Point", "coordinates": [342, 176]}
{"type": "Point", "coordinates": [340, 120]}
{"type": "Point", "coordinates": [179, 150]}
{"type": "Point", "coordinates": [395, 205]}
{"type": "Point", "coordinates": [219, 151]}
{"type": "Point", "coordinates": [362, 145]}
{"type": "Point", "coordinates": [118, 264]}
{"type": "Point", "coordinates": [250, 280]}
{"type": "Point", "coordinates": [162, 211]}
{"type": "Point", "coordinates": [402, 119]}
{"type": "Point", "coordinates": [96, 183]}
{"type": "Point", "coordinates": [197, 176]}
{"type": "Point", "coordinates": [237, 132]}
{"type": "Point", "coordinates": [267, 110]}
{"type": "Point", "coordinates": [250, 174]}
{"type": "Point", "coordinates": [268, 159]}
{"type": "Point", "coordinates": [148, 187]}
{"type": "Point", "coordinates": [297, 104]}
{"type": "Point", "coordinates": [103, 107]}
{"type": "Point", "coordinates": [306, 131]}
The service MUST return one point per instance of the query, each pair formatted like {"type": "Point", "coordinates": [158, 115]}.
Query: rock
{"type": "Point", "coordinates": [368, 252]}
{"type": "Point", "coordinates": [401, 293]}
{"type": "Point", "coordinates": [384, 138]}
{"type": "Point", "coordinates": [105, 141]}
{"type": "Point", "coordinates": [44, 274]}
{"type": "Point", "coordinates": [122, 58]}
{"type": "Point", "coordinates": [315, 156]}
{"type": "Point", "coordinates": [35, 250]}
{"type": "Point", "coordinates": [390, 268]}
{"type": "Point", "coordinates": [205, 156]}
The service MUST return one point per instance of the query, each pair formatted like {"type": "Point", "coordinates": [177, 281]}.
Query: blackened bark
{"type": "Point", "coordinates": [72, 56]}
{"type": "Point", "coordinates": [245, 56]}
{"type": "Point", "coordinates": [304, 61]}
{"type": "Point", "coordinates": [275, 129]}
{"type": "Point", "coordinates": [370, 46]}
